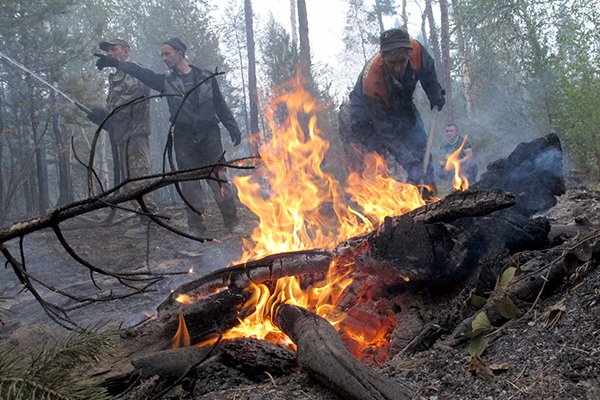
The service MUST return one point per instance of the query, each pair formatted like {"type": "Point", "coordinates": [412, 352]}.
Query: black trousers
{"type": "Point", "coordinates": [195, 148]}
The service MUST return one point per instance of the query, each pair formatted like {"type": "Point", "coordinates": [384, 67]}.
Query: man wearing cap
{"type": "Point", "coordinates": [383, 117]}
{"type": "Point", "coordinates": [129, 127]}
{"type": "Point", "coordinates": [197, 137]}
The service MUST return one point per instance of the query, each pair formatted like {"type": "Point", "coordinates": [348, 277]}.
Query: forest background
{"type": "Point", "coordinates": [513, 70]}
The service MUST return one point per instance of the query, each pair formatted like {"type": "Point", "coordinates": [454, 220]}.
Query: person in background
{"type": "Point", "coordinates": [197, 137]}
{"type": "Point", "coordinates": [383, 116]}
{"type": "Point", "coordinates": [128, 128]}
{"type": "Point", "coordinates": [468, 167]}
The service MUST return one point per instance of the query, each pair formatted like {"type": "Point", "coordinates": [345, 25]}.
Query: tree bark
{"type": "Point", "coordinates": [463, 57]}
{"type": "Point", "coordinates": [252, 85]}
{"type": "Point", "coordinates": [304, 40]}
{"type": "Point", "coordinates": [434, 43]}
{"type": "Point", "coordinates": [63, 152]}
{"type": "Point", "coordinates": [446, 65]}
{"type": "Point", "coordinates": [322, 354]}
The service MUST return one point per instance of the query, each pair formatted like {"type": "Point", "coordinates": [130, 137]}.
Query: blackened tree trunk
{"type": "Point", "coordinates": [252, 89]}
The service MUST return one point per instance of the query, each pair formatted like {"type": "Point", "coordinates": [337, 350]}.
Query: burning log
{"type": "Point", "coordinates": [322, 353]}
{"type": "Point", "coordinates": [466, 235]}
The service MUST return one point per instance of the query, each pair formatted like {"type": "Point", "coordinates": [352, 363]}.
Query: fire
{"type": "Point", "coordinates": [459, 181]}
{"type": "Point", "coordinates": [182, 337]}
{"type": "Point", "coordinates": [264, 300]}
{"type": "Point", "coordinates": [302, 206]}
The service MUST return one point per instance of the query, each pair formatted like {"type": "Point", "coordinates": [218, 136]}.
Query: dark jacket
{"type": "Point", "coordinates": [381, 108]}
{"type": "Point", "coordinates": [205, 107]}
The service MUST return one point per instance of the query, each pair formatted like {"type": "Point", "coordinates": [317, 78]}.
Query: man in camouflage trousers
{"type": "Point", "coordinates": [128, 128]}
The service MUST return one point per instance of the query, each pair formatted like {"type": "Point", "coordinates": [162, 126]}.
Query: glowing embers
{"type": "Point", "coordinates": [364, 323]}
{"type": "Point", "coordinates": [459, 181]}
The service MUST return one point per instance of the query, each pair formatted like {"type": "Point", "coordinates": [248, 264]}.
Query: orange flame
{"type": "Point", "coordinates": [182, 337]}
{"type": "Point", "coordinates": [301, 206]}
{"type": "Point", "coordinates": [459, 181]}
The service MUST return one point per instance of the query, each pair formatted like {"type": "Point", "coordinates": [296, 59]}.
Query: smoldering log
{"type": "Point", "coordinates": [322, 354]}
{"type": "Point", "coordinates": [171, 363]}
{"type": "Point", "coordinates": [533, 172]}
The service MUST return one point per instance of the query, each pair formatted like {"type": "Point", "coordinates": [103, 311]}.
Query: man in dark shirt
{"type": "Point", "coordinates": [468, 167]}
{"type": "Point", "coordinates": [383, 117]}
{"type": "Point", "coordinates": [197, 137]}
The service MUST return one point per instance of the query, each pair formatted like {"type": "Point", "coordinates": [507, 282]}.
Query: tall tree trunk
{"type": "Point", "coordinates": [463, 57]}
{"type": "Point", "coordinates": [240, 46]}
{"type": "Point", "coordinates": [2, 139]}
{"type": "Point", "coordinates": [446, 65]}
{"type": "Point", "coordinates": [304, 41]}
{"type": "Point", "coordinates": [424, 26]}
{"type": "Point", "coordinates": [379, 15]}
{"type": "Point", "coordinates": [63, 151]}
{"type": "Point", "coordinates": [41, 168]}
{"type": "Point", "coordinates": [434, 43]}
{"type": "Point", "coordinates": [404, 16]}
{"type": "Point", "coordinates": [252, 86]}
{"type": "Point", "coordinates": [293, 23]}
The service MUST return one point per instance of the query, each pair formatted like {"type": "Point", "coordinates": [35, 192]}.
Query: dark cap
{"type": "Point", "coordinates": [176, 44]}
{"type": "Point", "coordinates": [105, 45]}
{"type": "Point", "coordinates": [394, 39]}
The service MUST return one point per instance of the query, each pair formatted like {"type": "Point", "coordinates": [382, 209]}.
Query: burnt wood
{"type": "Point", "coordinates": [322, 354]}
{"type": "Point", "coordinates": [533, 172]}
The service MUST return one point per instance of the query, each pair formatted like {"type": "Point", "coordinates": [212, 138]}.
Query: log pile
{"type": "Point", "coordinates": [464, 240]}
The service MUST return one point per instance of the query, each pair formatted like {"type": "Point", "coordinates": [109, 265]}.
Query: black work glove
{"type": "Point", "coordinates": [439, 102]}
{"type": "Point", "coordinates": [236, 138]}
{"type": "Point", "coordinates": [105, 61]}
{"type": "Point", "coordinates": [97, 115]}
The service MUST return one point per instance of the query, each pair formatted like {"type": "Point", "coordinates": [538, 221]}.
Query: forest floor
{"type": "Point", "coordinates": [538, 358]}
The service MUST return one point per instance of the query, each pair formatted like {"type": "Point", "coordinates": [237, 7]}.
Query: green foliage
{"type": "Point", "coordinates": [575, 100]}
{"type": "Point", "coordinates": [480, 325]}
{"type": "Point", "coordinates": [506, 277]}
{"type": "Point", "coordinates": [477, 345]}
{"type": "Point", "coordinates": [280, 56]}
{"type": "Point", "coordinates": [50, 373]}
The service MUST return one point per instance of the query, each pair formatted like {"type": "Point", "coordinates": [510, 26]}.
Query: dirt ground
{"type": "Point", "coordinates": [537, 357]}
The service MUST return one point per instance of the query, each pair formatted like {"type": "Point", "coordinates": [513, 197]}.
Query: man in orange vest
{"type": "Point", "coordinates": [383, 117]}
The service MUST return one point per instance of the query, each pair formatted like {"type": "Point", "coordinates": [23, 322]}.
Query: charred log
{"type": "Point", "coordinates": [322, 354]}
{"type": "Point", "coordinates": [533, 172]}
